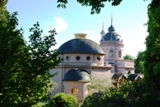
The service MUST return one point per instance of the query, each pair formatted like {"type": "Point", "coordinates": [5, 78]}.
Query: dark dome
{"type": "Point", "coordinates": [111, 35]}
{"type": "Point", "coordinates": [111, 28]}
{"type": "Point", "coordinates": [77, 74]}
{"type": "Point", "coordinates": [102, 32]}
{"type": "Point", "coordinates": [80, 46]}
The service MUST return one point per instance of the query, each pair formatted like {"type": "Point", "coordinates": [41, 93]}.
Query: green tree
{"type": "Point", "coordinates": [152, 54]}
{"type": "Point", "coordinates": [63, 100]}
{"type": "Point", "coordinates": [12, 45]}
{"type": "Point", "coordinates": [25, 77]}
{"type": "Point", "coordinates": [129, 94]}
{"type": "Point", "coordinates": [95, 5]}
{"type": "Point", "coordinates": [128, 57]}
{"type": "Point", "coordinates": [139, 62]}
{"type": "Point", "coordinates": [24, 69]}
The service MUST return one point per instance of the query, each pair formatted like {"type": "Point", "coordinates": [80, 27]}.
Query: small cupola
{"type": "Point", "coordinates": [111, 28]}
{"type": "Point", "coordinates": [80, 35]}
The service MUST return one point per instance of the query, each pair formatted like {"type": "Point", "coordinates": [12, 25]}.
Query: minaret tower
{"type": "Point", "coordinates": [102, 32]}
{"type": "Point", "coordinates": [112, 45]}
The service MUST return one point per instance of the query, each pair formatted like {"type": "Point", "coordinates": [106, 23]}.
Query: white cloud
{"type": "Point", "coordinates": [61, 25]}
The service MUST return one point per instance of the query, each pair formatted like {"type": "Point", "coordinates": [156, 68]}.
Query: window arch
{"type": "Point", "coordinates": [75, 90]}
{"type": "Point", "coordinates": [120, 53]}
{"type": "Point", "coordinates": [111, 53]}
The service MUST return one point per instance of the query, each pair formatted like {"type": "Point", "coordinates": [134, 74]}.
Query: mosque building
{"type": "Point", "coordinates": [84, 59]}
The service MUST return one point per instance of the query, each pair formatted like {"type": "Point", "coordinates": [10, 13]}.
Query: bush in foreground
{"type": "Point", "coordinates": [63, 100]}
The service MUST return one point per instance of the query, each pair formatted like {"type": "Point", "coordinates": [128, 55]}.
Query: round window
{"type": "Point", "coordinates": [67, 58]}
{"type": "Point", "coordinates": [98, 58]}
{"type": "Point", "coordinates": [77, 58]}
{"type": "Point", "coordinates": [88, 58]}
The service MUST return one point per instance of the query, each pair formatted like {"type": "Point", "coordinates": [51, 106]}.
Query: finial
{"type": "Point", "coordinates": [111, 19]}
{"type": "Point", "coordinates": [102, 25]}
{"type": "Point", "coordinates": [80, 35]}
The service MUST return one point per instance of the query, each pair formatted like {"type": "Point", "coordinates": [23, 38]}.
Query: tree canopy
{"type": "Point", "coordinates": [95, 5]}
{"type": "Point", "coordinates": [152, 53]}
{"type": "Point", "coordinates": [128, 57]}
{"type": "Point", "coordinates": [139, 62]}
{"type": "Point", "coordinates": [24, 68]}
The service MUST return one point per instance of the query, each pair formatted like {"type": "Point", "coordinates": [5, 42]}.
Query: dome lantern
{"type": "Point", "coordinates": [80, 35]}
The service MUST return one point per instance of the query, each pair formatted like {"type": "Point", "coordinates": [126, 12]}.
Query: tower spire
{"type": "Point", "coordinates": [102, 26]}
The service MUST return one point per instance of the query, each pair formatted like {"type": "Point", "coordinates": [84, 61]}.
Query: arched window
{"type": "Point", "coordinates": [111, 53]}
{"type": "Point", "coordinates": [120, 54]}
{"type": "Point", "coordinates": [74, 90]}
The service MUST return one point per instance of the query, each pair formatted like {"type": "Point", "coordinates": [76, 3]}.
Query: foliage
{"type": "Point", "coordinates": [95, 5]}
{"type": "Point", "coordinates": [128, 95]}
{"type": "Point", "coordinates": [24, 69]}
{"type": "Point", "coordinates": [104, 99]}
{"type": "Point", "coordinates": [139, 63]}
{"type": "Point", "coordinates": [40, 104]}
{"type": "Point", "coordinates": [152, 54]}
{"type": "Point", "coordinates": [63, 100]}
{"type": "Point", "coordinates": [128, 57]}
{"type": "Point", "coordinates": [98, 84]}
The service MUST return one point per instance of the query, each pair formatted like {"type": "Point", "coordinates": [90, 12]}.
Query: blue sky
{"type": "Point", "coordinates": [128, 19]}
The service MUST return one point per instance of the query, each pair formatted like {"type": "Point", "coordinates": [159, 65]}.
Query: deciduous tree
{"type": "Point", "coordinates": [139, 62]}
{"type": "Point", "coordinates": [152, 53]}
{"type": "Point", "coordinates": [24, 69]}
{"type": "Point", "coordinates": [95, 5]}
{"type": "Point", "coordinates": [128, 57]}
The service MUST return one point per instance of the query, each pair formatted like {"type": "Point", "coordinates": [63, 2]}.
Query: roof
{"type": "Point", "coordinates": [111, 28]}
{"type": "Point", "coordinates": [102, 32]}
{"type": "Point", "coordinates": [77, 74]}
{"type": "Point", "coordinates": [133, 77]}
{"type": "Point", "coordinates": [79, 45]}
{"type": "Point", "coordinates": [117, 76]}
{"type": "Point", "coordinates": [111, 35]}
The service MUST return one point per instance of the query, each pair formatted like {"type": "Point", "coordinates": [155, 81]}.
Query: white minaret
{"type": "Point", "coordinates": [113, 46]}
{"type": "Point", "coordinates": [102, 32]}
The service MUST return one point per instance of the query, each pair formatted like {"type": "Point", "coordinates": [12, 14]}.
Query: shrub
{"type": "Point", "coordinates": [63, 100]}
{"type": "Point", "coordinates": [40, 104]}
{"type": "Point", "coordinates": [109, 98]}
